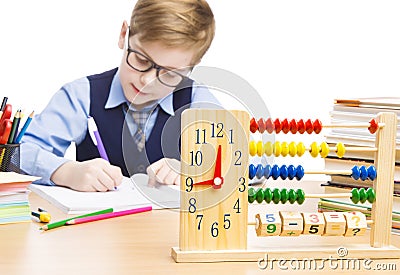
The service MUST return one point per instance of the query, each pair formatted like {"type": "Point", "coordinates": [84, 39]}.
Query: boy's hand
{"type": "Point", "coordinates": [164, 171]}
{"type": "Point", "coordinates": [92, 175]}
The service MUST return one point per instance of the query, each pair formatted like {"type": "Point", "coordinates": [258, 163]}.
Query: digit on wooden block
{"type": "Point", "coordinates": [268, 224]}
{"type": "Point", "coordinates": [314, 223]}
{"type": "Point", "coordinates": [335, 224]}
{"type": "Point", "coordinates": [356, 223]}
{"type": "Point", "coordinates": [292, 223]}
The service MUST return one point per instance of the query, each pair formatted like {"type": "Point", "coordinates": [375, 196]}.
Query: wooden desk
{"type": "Point", "coordinates": [136, 244]}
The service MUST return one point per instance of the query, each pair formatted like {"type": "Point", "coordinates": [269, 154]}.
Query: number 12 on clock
{"type": "Point", "coordinates": [214, 179]}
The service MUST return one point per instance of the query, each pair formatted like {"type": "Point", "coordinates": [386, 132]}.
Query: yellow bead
{"type": "Point", "coordinates": [277, 148]}
{"type": "Point", "coordinates": [268, 149]}
{"type": "Point", "coordinates": [260, 148]}
{"type": "Point", "coordinates": [300, 149]}
{"type": "Point", "coordinates": [252, 148]}
{"type": "Point", "coordinates": [340, 150]}
{"type": "Point", "coordinates": [324, 150]}
{"type": "Point", "coordinates": [292, 149]}
{"type": "Point", "coordinates": [285, 149]}
{"type": "Point", "coordinates": [314, 150]}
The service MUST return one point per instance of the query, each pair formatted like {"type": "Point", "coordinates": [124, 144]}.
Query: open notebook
{"type": "Point", "coordinates": [132, 193]}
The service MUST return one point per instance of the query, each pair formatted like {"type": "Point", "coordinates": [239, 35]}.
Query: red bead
{"type": "Point", "coordinates": [317, 125]}
{"type": "Point", "coordinates": [301, 127]}
{"type": "Point", "coordinates": [373, 126]}
{"type": "Point", "coordinates": [293, 126]}
{"type": "Point", "coordinates": [285, 126]}
{"type": "Point", "coordinates": [277, 125]}
{"type": "Point", "coordinates": [253, 125]}
{"type": "Point", "coordinates": [269, 126]}
{"type": "Point", "coordinates": [309, 126]}
{"type": "Point", "coordinates": [261, 125]}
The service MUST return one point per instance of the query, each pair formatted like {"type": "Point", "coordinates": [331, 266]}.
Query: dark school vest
{"type": "Point", "coordinates": [164, 140]}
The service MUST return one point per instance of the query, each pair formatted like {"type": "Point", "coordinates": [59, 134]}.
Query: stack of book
{"type": "Point", "coordinates": [348, 111]}
{"type": "Point", "coordinates": [14, 204]}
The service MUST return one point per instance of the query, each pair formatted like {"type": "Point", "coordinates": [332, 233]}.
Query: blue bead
{"type": "Point", "coordinates": [260, 171]}
{"type": "Point", "coordinates": [291, 172]}
{"type": "Point", "coordinates": [267, 171]}
{"type": "Point", "coordinates": [252, 171]}
{"type": "Point", "coordinates": [299, 172]}
{"type": "Point", "coordinates": [284, 172]}
{"type": "Point", "coordinates": [275, 172]}
{"type": "Point", "coordinates": [363, 173]}
{"type": "Point", "coordinates": [355, 173]}
{"type": "Point", "coordinates": [372, 172]}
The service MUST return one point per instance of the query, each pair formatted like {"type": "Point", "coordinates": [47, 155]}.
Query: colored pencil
{"type": "Point", "coordinates": [63, 222]}
{"type": "Point", "coordinates": [14, 127]}
{"type": "Point", "coordinates": [3, 104]}
{"type": "Point", "coordinates": [23, 130]}
{"type": "Point", "coordinates": [108, 215]}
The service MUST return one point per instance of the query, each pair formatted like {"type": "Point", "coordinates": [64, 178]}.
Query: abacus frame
{"type": "Point", "coordinates": [379, 247]}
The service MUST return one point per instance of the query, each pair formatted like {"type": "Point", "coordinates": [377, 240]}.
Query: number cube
{"type": "Point", "coordinates": [314, 223]}
{"type": "Point", "coordinates": [356, 223]}
{"type": "Point", "coordinates": [335, 224]}
{"type": "Point", "coordinates": [292, 223]}
{"type": "Point", "coordinates": [268, 224]}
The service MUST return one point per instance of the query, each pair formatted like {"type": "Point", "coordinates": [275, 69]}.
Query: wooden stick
{"type": "Point", "coordinates": [355, 125]}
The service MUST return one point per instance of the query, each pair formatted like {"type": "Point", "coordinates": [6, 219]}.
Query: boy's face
{"type": "Point", "coordinates": [144, 88]}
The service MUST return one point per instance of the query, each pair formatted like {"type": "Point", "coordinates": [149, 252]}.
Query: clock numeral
{"type": "Point", "coordinates": [214, 229]}
{"type": "Point", "coordinates": [242, 182]}
{"type": "Point", "coordinates": [196, 158]}
{"type": "Point", "coordinates": [189, 184]}
{"type": "Point", "coordinates": [200, 216]}
{"type": "Point", "coordinates": [227, 222]}
{"type": "Point", "coordinates": [237, 206]}
{"type": "Point", "coordinates": [231, 136]}
{"type": "Point", "coordinates": [216, 130]}
{"type": "Point", "coordinates": [238, 155]}
{"type": "Point", "coordinates": [201, 136]}
{"type": "Point", "coordinates": [192, 205]}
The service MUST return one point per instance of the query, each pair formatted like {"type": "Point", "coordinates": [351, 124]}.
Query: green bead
{"type": "Point", "coordinates": [355, 195]}
{"type": "Point", "coordinates": [260, 195]}
{"type": "Point", "coordinates": [276, 196]}
{"type": "Point", "coordinates": [371, 195]}
{"type": "Point", "coordinates": [301, 196]}
{"type": "Point", "coordinates": [363, 195]}
{"type": "Point", "coordinates": [284, 195]}
{"type": "Point", "coordinates": [292, 196]}
{"type": "Point", "coordinates": [268, 195]}
{"type": "Point", "coordinates": [251, 195]}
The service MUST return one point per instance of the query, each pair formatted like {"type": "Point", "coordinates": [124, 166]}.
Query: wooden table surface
{"type": "Point", "coordinates": [135, 244]}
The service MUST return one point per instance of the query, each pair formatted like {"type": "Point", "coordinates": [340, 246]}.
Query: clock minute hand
{"type": "Point", "coordinates": [218, 179]}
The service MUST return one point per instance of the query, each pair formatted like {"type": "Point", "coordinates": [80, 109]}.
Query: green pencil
{"type": "Point", "coordinates": [62, 222]}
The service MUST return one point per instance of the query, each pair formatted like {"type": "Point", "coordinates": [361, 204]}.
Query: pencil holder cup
{"type": "Point", "coordinates": [10, 158]}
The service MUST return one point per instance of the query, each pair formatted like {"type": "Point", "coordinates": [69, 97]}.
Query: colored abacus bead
{"type": "Point", "coordinates": [283, 171]}
{"type": "Point", "coordinates": [372, 172]}
{"type": "Point", "coordinates": [267, 171]}
{"type": "Point", "coordinates": [260, 148]}
{"type": "Point", "coordinates": [363, 173]}
{"type": "Point", "coordinates": [285, 126]}
{"type": "Point", "coordinates": [309, 126]}
{"type": "Point", "coordinates": [291, 171]}
{"type": "Point", "coordinates": [314, 150]}
{"type": "Point", "coordinates": [252, 148]}
{"type": "Point", "coordinates": [251, 195]}
{"type": "Point", "coordinates": [275, 172]}
{"type": "Point", "coordinates": [285, 149]}
{"type": "Point", "coordinates": [268, 148]}
{"type": "Point", "coordinates": [292, 149]}
{"type": "Point", "coordinates": [252, 171]}
{"type": "Point", "coordinates": [293, 126]}
{"type": "Point", "coordinates": [301, 196]}
{"type": "Point", "coordinates": [268, 195]}
{"type": "Point", "coordinates": [355, 173]}
{"type": "Point", "coordinates": [340, 150]}
{"type": "Point", "coordinates": [277, 148]}
{"type": "Point", "coordinates": [355, 195]}
{"type": "Point", "coordinates": [269, 126]}
{"type": "Point", "coordinates": [373, 126]}
{"type": "Point", "coordinates": [253, 125]}
{"type": "Point", "coordinates": [277, 125]}
{"type": "Point", "coordinates": [324, 151]}
{"type": "Point", "coordinates": [371, 195]}
{"type": "Point", "coordinates": [301, 127]}
{"type": "Point", "coordinates": [363, 195]}
{"type": "Point", "coordinates": [261, 125]}
{"type": "Point", "coordinates": [260, 195]}
{"type": "Point", "coordinates": [317, 125]}
{"type": "Point", "coordinates": [301, 149]}
{"type": "Point", "coordinates": [276, 196]}
{"type": "Point", "coordinates": [299, 172]}
{"type": "Point", "coordinates": [284, 195]}
{"type": "Point", "coordinates": [292, 196]}
{"type": "Point", "coordinates": [259, 171]}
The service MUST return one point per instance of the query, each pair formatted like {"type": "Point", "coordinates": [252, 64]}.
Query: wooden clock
{"type": "Point", "coordinates": [214, 176]}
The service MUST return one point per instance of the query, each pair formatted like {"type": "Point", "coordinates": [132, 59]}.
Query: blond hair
{"type": "Point", "coordinates": [175, 23]}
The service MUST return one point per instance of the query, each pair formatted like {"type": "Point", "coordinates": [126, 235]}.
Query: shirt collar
{"type": "Point", "coordinates": [117, 97]}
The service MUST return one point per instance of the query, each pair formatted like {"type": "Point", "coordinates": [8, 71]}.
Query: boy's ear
{"type": "Point", "coordinates": [122, 35]}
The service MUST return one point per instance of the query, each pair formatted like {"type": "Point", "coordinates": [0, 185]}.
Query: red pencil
{"type": "Point", "coordinates": [108, 215]}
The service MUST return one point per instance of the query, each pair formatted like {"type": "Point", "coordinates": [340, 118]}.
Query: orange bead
{"type": "Point", "coordinates": [317, 125]}
{"type": "Point", "coordinates": [253, 125]}
{"type": "Point", "coordinates": [285, 126]}
{"type": "Point", "coordinates": [301, 127]}
{"type": "Point", "coordinates": [373, 126]}
{"type": "Point", "coordinates": [269, 126]}
{"type": "Point", "coordinates": [309, 126]}
{"type": "Point", "coordinates": [293, 126]}
{"type": "Point", "coordinates": [261, 125]}
{"type": "Point", "coordinates": [277, 125]}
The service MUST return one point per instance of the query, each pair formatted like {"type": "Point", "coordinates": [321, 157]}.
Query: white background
{"type": "Point", "coordinates": [299, 55]}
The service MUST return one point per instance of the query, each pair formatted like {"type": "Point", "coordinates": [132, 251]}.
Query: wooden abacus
{"type": "Point", "coordinates": [215, 192]}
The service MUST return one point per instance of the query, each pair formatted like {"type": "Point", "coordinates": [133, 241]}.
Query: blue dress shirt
{"type": "Point", "coordinates": [64, 120]}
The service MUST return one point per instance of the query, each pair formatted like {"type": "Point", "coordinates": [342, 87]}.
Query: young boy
{"type": "Point", "coordinates": [136, 106]}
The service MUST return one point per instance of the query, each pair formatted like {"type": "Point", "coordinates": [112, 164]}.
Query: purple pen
{"type": "Point", "coordinates": [95, 135]}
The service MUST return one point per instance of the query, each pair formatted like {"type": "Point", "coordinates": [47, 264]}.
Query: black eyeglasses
{"type": "Point", "coordinates": [141, 63]}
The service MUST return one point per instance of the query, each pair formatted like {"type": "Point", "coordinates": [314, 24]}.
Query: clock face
{"type": "Point", "coordinates": [214, 175]}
